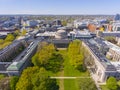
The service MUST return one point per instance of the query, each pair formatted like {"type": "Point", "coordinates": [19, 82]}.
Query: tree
{"type": "Point", "coordinates": [17, 33]}
{"type": "Point", "coordinates": [48, 58]}
{"type": "Point", "coordinates": [41, 45]}
{"type": "Point", "coordinates": [42, 56]}
{"type": "Point", "coordinates": [86, 83]}
{"type": "Point", "coordinates": [13, 82]}
{"type": "Point", "coordinates": [76, 54]}
{"type": "Point", "coordinates": [34, 78]}
{"type": "Point", "coordinates": [1, 41]}
{"type": "Point", "coordinates": [23, 32]}
{"type": "Point", "coordinates": [6, 44]}
{"type": "Point", "coordinates": [112, 83]}
{"type": "Point", "coordinates": [64, 23]}
{"type": "Point", "coordinates": [55, 63]}
{"type": "Point", "coordinates": [10, 37]}
{"type": "Point", "coordinates": [41, 81]}
{"type": "Point", "coordinates": [24, 82]}
{"type": "Point", "coordinates": [1, 76]}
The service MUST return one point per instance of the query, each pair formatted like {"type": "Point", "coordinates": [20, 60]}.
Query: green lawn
{"type": "Point", "coordinates": [104, 87]}
{"type": "Point", "coordinates": [70, 71]}
{"type": "Point", "coordinates": [71, 84]}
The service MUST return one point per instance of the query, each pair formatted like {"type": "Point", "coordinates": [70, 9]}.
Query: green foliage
{"type": "Point", "coordinates": [9, 37]}
{"type": "Point", "coordinates": [48, 58]}
{"type": "Point", "coordinates": [86, 83]}
{"type": "Point", "coordinates": [13, 82]}
{"type": "Point", "coordinates": [24, 32]}
{"type": "Point", "coordinates": [1, 76]}
{"type": "Point", "coordinates": [4, 44]}
{"type": "Point", "coordinates": [24, 82]}
{"type": "Point", "coordinates": [42, 56]}
{"type": "Point", "coordinates": [64, 23]}
{"type": "Point", "coordinates": [34, 78]}
{"type": "Point", "coordinates": [75, 53]}
{"type": "Point", "coordinates": [16, 33]}
{"type": "Point", "coordinates": [110, 39]}
{"type": "Point", "coordinates": [54, 63]}
{"type": "Point", "coordinates": [41, 81]}
{"type": "Point", "coordinates": [8, 40]}
{"type": "Point", "coordinates": [112, 83]}
{"type": "Point", "coordinates": [1, 41]}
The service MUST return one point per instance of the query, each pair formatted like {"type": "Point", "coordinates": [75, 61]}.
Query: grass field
{"type": "Point", "coordinates": [70, 71]}
{"type": "Point", "coordinates": [104, 87]}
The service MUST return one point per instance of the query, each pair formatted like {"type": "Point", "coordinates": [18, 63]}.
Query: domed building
{"type": "Point", "coordinates": [61, 34]}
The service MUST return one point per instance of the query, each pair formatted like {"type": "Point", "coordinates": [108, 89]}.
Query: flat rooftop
{"type": "Point", "coordinates": [4, 50]}
{"type": "Point", "coordinates": [102, 59]}
{"type": "Point", "coordinates": [113, 46]}
{"type": "Point", "coordinates": [22, 58]}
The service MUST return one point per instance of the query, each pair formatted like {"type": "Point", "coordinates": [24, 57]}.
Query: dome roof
{"type": "Point", "coordinates": [63, 32]}
{"type": "Point", "coordinates": [60, 34]}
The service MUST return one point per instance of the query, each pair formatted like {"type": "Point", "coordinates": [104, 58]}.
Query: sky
{"type": "Point", "coordinates": [61, 7]}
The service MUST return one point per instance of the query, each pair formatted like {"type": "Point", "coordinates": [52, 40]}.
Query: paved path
{"type": "Point", "coordinates": [67, 77]}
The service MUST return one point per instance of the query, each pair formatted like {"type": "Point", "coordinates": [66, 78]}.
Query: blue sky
{"type": "Point", "coordinates": [59, 6]}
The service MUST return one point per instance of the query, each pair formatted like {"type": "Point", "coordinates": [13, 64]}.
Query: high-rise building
{"type": "Point", "coordinates": [117, 17]}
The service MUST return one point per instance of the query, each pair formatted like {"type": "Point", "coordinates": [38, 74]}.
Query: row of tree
{"type": "Point", "coordinates": [76, 54]}
{"type": "Point", "coordinates": [35, 78]}
{"type": "Point", "coordinates": [8, 40]}
{"type": "Point", "coordinates": [10, 37]}
{"type": "Point", "coordinates": [86, 84]}
{"type": "Point", "coordinates": [48, 57]}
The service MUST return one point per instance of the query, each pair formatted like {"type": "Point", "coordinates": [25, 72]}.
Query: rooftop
{"type": "Point", "coordinates": [113, 46]}
{"type": "Point", "coordinates": [102, 59]}
{"type": "Point", "coordinates": [8, 47]}
{"type": "Point", "coordinates": [20, 60]}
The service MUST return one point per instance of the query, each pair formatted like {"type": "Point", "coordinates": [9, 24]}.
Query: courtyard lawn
{"type": "Point", "coordinates": [104, 87]}
{"type": "Point", "coordinates": [71, 84]}
{"type": "Point", "coordinates": [70, 71]}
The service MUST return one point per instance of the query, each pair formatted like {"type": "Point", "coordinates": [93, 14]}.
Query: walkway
{"type": "Point", "coordinates": [68, 77]}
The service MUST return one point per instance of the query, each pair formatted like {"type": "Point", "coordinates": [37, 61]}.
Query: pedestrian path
{"type": "Point", "coordinates": [68, 77]}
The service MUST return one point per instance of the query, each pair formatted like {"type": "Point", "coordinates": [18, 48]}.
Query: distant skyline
{"type": "Point", "coordinates": [62, 7]}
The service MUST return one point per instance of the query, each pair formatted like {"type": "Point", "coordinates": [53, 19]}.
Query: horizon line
{"type": "Point", "coordinates": [54, 14]}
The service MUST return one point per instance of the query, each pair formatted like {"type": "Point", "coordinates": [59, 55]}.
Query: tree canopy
{"type": "Point", "coordinates": [9, 37]}
{"type": "Point", "coordinates": [75, 53]}
{"type": "Point", "coordinates": [86, 83]}
{"type": "Point", "coordinates": [42, 56]}
{"type": "Point", "coordinates": [48, 58]}
{"type": "Point", "coordinates": [64, 22]}
{"type": "Point", "coordinates": [13, 82]}
{"type": "Point", "coordinates": [112, 83]}
{"type": "Point", "coordinates": [23, 32]}
{"type": "Point", "coordinates": [34, 78]}
{"type": "Point", "coordinates": [1, 76]}
{"type": "Point", "coordinates": [55, 63]}
{"type": "Point", "coordinates": [1, 41]}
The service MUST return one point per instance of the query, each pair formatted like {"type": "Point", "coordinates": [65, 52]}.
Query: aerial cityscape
{"type": "Point", "coordinates": [59, 45]}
